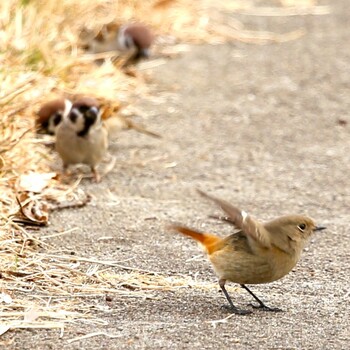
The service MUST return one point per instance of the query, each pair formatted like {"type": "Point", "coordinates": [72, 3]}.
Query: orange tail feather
{"type": "Point", "coordinates": [207, 240]}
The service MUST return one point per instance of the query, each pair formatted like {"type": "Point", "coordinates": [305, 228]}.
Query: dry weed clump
{"type": "Point", "coordinates": [40, 57]}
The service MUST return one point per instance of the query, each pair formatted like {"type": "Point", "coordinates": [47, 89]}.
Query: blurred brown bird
{"type": "Point", "coordinates": [258, 253]}
{"type": "Point", "coordinates": [81, 137]}
{"type": "Point", "coordinates": [51, 114]}
{"type": "Point", "coordinates": [133, 38]}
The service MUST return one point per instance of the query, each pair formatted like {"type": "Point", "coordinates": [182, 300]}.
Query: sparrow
{"type": "Point", "coordinates": [260, 252]}
{"type": "Point", "coordinates": [51, 114]}
{"type": "Point", "coordinates": [81, 137]}
{"type": "Point", "coordinates": [134, 38]}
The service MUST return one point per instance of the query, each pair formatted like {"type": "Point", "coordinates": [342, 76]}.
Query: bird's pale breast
{"type": "Point", "coordinates": [251, 267]}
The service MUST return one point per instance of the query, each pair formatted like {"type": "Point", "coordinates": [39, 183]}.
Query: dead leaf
{"type": "Point", "coordinates": [3, 329]}
{"type": "Point", "coordinates": [34, 182]}
{"type": "Point", "coordinates": [31, 210]}
{"type": "Point", "coordinates": [5, 298]}
{"type": "Point", "coordinates": [110, 109]}
{"type": "Point", "coordinates": [31, 315]}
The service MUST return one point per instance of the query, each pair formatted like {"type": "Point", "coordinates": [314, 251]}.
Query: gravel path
{"type": "Point", "coordinates": [258, 126]}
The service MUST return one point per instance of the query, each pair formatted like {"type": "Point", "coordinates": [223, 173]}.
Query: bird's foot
{"type": "Point", "coordinates": [235, 310]}
{"type": "Point", "coordinates": [263, 307]}
{"type": "Point", "coordinates": [96, 175]}
{"type": "Point", "coordinates": [97, 178]}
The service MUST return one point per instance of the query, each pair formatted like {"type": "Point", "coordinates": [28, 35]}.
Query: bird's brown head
{"type": "Point", "coordinates": [136, 35]}
{"type": "Point", "coordinates": [51, 114]}
{"type": "Point", "coordinates": [140, 34]}
{"type": "Point", "coordinates": [85, 101]}
{"type": "Point", "coordinates": [291, 233]}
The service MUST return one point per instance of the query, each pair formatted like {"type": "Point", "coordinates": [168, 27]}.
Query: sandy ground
{"type": "Point", "coordinates": [258, 126]}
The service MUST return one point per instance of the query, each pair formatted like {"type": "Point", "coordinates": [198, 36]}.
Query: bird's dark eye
{"type": "Point", "coordinates": [57, 118]}
{"type": "Point", "coordinates": [302, 227]}
{"type": "Point", "coordinates": [73, 115]}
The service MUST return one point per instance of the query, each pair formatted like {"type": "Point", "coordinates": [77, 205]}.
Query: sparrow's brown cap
{"type": "Point", "coordinates": [50, 108]}
{"type": "Point", "coordinates": [141, 35]}
{"type": "Point", "coordinates": [86, 102]}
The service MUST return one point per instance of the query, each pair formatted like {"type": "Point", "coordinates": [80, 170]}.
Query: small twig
{"type": "Point", "coordinates": [196, 257]}
{"type": "Point", "coordinates": [75, 205]}
{"type": "Point", "coordinates": [152, 64]}
{"type": "Point", "coordinates": [214, 323]}
{"type": "Point", "coordinates": [94, 334]}
{"type": "Point", "coordinates": [15, 142]}
{"type": "Point", "coordinates": [20, 206]}
{"type": "Point", "coordinates": [19, 109]}
{"type": "Point", "coordinates": [108, 263]}
{"type": "Point", "coordinates": [16, 91]}
{"type": "Point", "coordinates": [61, 233]}
{"type": "Point", "coordinates": [141, 129]}
{"type": "Point", "coordinates": [26, 235]}
{"type": "Point", "coordinates": [35, 324]}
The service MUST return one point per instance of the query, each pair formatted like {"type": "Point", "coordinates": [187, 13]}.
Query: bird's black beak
{"type": "Point", "coordinates": [92, 112]}
{"type": "Point", "coordinates": [320, 228]}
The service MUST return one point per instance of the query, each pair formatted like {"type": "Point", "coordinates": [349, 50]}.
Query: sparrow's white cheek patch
{"type": "Point", "coordinates": [122, 39]}
{"type": "Point", "coordinates": [244, 215]}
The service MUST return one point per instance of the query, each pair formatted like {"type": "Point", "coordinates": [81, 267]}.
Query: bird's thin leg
{"type": "Point", "coordinates": [261, 305]}
{"type": "Point", "coordinates": [233, 308]}
{"type": "Point", "coordinates": [65, 172]}
{"type": "Point", "coordinates": [96, 175]}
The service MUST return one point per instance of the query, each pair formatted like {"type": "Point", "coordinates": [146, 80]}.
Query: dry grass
{"type": "Point", "coordinates": [41, 56]}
